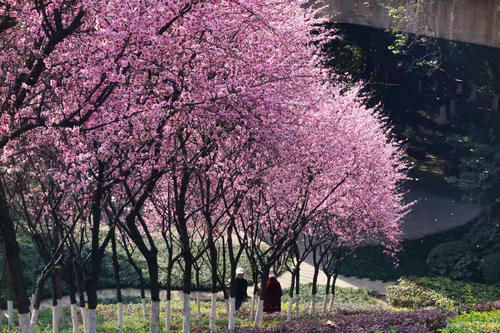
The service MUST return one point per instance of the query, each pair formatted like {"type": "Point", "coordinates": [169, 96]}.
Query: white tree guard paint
{"type": "Point", "coordinates": [312, 307]}
{"type": "Point", "coordinates": [252, 306]}
{"type": "Point", "coordinates": [92, 320]}
{"type": "Point", "coordinates": [155, 317]}
{"type": "Point", "coordinates": [74, 318]}
{"type": "Point", "coordinates": [325, 302]}
{"type": "Point", "coordinates": [32, 302]}
{"type": "Point", "coordinates": [24, 323]}
{"type": "Point", "coordinates": [186, 308]}
{"type": "Point", "coordinates": [198, 303]}
{"type": "Point", "coordinates": [259, 315]}
{"type": "Point", "coordinates": [297, 302]}
{"type": "Point", "coordinates": [442, 119]}
{"type": "Point", "coordinates": [226, 302]}
{"type": "Point", "coordinates": [330, 305]}
{"type": "Point", "coordinates": [56, 317]}
{"type": "Point", "coordinates": [120, 316]}
{"type": "Point", "coordinates": [85, 319]}
{"type": "Point", "coordinates": [213, 311]}
{"type": "Point", "coordinates": [232, 314]}
{"type": "Point", "coordinates": [34, 320]}
{"type": "Point", "coordinates": [144, 312]}
{"type": "Point", "coordinates": [496, 99]}
{"type": "Point", "coordinates": [289, 311]}
{"type": "Point", "coordinates": [10, 312]}
{"type": "Point", "coordinates": [167, 317]}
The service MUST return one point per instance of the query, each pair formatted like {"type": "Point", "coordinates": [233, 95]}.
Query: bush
{"type": "Point", "coordinates": [452, 259]}
{"type": "Point", "coordinates": [490, 268]}
{"type": "Point", "coordinates": [442, 293]}
{"type": "Point", "coordinates": [486, 306]}
{"type": "Point", "coordinates": [474, 322]}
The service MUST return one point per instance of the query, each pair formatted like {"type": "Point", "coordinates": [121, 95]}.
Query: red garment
{"type": "Point", "coordinates": [272, 300]}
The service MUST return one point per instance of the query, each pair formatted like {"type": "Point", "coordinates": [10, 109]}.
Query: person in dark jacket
{"type": "Point", "coordinates": [272, 300]}
{"type": "Point", "coordinates": [240, 288]}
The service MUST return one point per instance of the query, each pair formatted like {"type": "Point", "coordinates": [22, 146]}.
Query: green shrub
{"type": "Point", "coordinates": [490, 268]}
{"type": "Point", "coordinates": [474, 322]}
{"type": "Point", "coordinates": [442, 293]}
{"type": "Point", "coordinates": [452, 259]}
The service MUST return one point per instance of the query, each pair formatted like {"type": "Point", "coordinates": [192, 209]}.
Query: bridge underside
{"type": "Point", "coordinates": [471, 21]}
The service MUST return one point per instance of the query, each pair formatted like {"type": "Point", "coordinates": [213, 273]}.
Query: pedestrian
{"type": "Point", "coordinates": [272, 300]}
{"type": "Point", "coordinates": [240, 288]}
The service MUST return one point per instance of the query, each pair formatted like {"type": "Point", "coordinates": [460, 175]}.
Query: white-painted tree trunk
{"type": "Point", "coordinates": [496, 99]}
{"type": "Point", "coordinates": [1, 318]}
{"type": "Point", "coordinates": [24, 323]}
{"type": "Point", "coordinates": [252, 306]}
{"type": "Point", "coordinates": [56, 317]}
{"type": "Point", "coordinates": [74, 318]}
{"type": "Point", "coordinates": [32, 302]}
{"type": "Point", "coordinates": [232, 314]}
{"type": "Point", "coordinates": [144, 312]}
{"type": "Point", "coordinates": [213, 311]}
{"type": "Point", "coordinates": [10, 312]}
{"type": "Point", "coordinates": [186, 309]}
{"type": "Point", "coordinates": [198, 303]}
{"type": "Point", "coordinates": [92, 319]}
{"type": "Point", "coordinates": [325, 303]}
{"type": "Point", "coordinates": [289, 311]}
{"type": "Point", "coordinates": [226, 302]}
{"type": "Point", "coordinates": [330, 305]}
{"type": "Point", "coordinates": [120, 317]}
{"type": "Point", "coordinates": [155, 317]}
{"type": "Point", "coordinates": [34, 319]}
{"type": "Point", "coordinates": [312, 307]}
{"type": "Point", "coordinates": [167, 317]}
{"type": "Point", "coordinates": [259, 315]}
{"type": "Point", "coordinates": [85, 319]}
{"type": "Point", "coordinates": [297, 310]}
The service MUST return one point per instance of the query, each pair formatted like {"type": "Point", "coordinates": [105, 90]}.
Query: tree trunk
{"type": "Point", "coordinates": [36, 303]}
{"type": "Point", "coordinates": [56, 299]}
{"type": "Point", "coordinates": [290, 294]}
{"type": "Point", "coordinates": [232, 314]}
{"type": "Point", "coordinates": [297, 292]}
{"type": "Point", "coordinates": [167, 316]}
{"type": "Point", "coordinates": [72, 298]}
{"type": "Point", "coordinates": [473, 94]}
{"type": "Point", "coordinates": [13, 260]}
{"type": "Point", "coordinates": [155, 292]}
{"type": "Point", "coordinates": [259, 316]}
{"type": "Point", "coordinates": [116, 274]}
{"type": "Point", "coordinates": [169, 294]}
{"type": "Point", "coordinates": [327, 293]}
{"type": "Point", "coordinates": [186, 307]}
{"type": "Point", "coordinates": [332, 297]}
{"type": "Point", "coordinates": [213, 311]}
{"type": "Point", "coordinates": [312, 309]}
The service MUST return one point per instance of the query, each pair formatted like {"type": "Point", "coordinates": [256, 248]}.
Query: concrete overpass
{"type": "Point", "coordinates": [471, 21]}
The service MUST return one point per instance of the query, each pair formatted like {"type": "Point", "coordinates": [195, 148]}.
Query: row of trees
{"type": "Point", "coordinates": [187, 124]}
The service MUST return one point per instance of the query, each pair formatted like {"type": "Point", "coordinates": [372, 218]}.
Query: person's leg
{"type": "Point", "coordinates": [238, 302]}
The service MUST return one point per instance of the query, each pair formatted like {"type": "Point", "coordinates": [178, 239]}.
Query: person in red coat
{"type": "Point", "coordinates": [272, 300]}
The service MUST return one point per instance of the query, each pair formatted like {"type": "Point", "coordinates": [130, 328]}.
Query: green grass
{"type": "Point", "coordinates": [134, 322]}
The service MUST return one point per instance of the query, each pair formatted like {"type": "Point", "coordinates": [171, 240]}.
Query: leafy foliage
{"type": "Point", "coordinates": [453, 259]}
{"type": "Point", "coordinates": [474, 322]}
{"type": "Point", "coordinates": [490, 268]}
{"type": "Point", "coordinates": [442, 293]}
